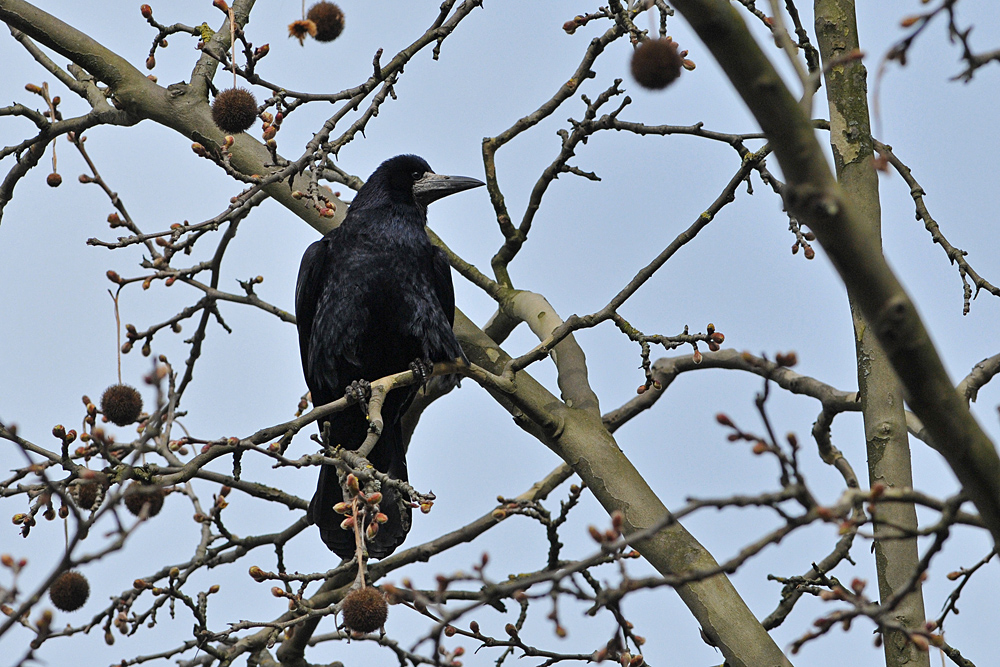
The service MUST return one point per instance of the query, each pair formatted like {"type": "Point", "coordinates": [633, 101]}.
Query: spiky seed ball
{"type": "Point", "coordinates": [656, 63]}
{"type": "Point", "coordinates": [69, 591]}
{"type": "Point", "coordinates": [329, 20]}
{"type": "Point", "coordinates": [121, 404]}
{"type": "Point", "coordinates": [234, 110]}
{"type": "Point", "coordinates": [86, 495]}
{"type": "Point", "coordinates": [365, 610]}
{"type": "Point", "coordinates": [54, 180]}
{"type": "Point", "coordinates": [137, 495]}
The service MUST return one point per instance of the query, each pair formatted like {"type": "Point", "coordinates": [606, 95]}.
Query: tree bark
{"type": "Point", "coordinates": [896, 556]}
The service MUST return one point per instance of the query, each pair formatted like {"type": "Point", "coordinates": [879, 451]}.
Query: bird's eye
{"type": "Point", "coordinates": [417, 175]}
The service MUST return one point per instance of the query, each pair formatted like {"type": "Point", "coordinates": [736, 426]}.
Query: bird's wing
{"type": "Point", "coordinates": [443, 286]}
{"type": "Point", "coordinates": [329, 316]}
{"type": "Point", "coordinates": [308, 289]}
{"type": "Point", "coordinates": [444, 289]}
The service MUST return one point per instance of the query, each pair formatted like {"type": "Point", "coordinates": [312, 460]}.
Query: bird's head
{"type": "Point", "coordinates": [409, 179]}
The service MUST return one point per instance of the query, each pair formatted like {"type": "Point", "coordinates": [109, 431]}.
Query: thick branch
{"type": "Point", "coordinates": [896, 556]}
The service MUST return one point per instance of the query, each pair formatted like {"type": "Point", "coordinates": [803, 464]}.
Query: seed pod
{"type": "Point", "coordinates": [69, 591]}
{"type": "Point", "coordinates": [138, 495]}
{"type": "Point", "coordinates": [234, 110]}
{"type": "Point", "coordinates": [656, 63]}
{"type": "Point", "coordinates": [121, 404]}
{"type": "Point", "coordinates": [329, 21]}
{"type": "Point", "coordinates": [365, 610]}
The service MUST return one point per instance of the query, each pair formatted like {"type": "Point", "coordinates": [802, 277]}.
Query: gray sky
{"type": "Point", "coordinates": [57, 341]}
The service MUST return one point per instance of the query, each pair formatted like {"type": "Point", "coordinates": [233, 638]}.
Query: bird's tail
{"type": "Point", "coordinates": [388, 457]}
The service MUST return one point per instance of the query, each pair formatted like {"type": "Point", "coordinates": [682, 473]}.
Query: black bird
{"type": "Point", "coordinates": [374, 296]}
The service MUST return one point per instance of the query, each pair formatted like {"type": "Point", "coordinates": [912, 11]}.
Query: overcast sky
{"type": "Point", "coordinates": [57, 339]}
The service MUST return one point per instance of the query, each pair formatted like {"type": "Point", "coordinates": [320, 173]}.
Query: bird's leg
{"type": "Point", "coordinates": [422, 368]}
{"type": "Point", "coordinates": [359, 391]}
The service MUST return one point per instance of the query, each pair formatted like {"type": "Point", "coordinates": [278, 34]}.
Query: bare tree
{"type": "Point", "coordinates": [90, 477]}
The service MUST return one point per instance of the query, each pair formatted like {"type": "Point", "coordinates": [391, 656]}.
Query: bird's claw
{"type": "Point", "coordinates": [359, 391]}
{"type": "Point", "coordinates": [422, 368]}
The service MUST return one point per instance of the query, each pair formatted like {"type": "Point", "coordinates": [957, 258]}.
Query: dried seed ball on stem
{"type": "Point", "coordinates": [69, 591]}
{"type": "Point", "coordinates": [234, 110]}
{"type": "Point", "coordinates": [656, 63]}
{"type": "Point", "coordinates": [86, 495]}
{"type": "Point", "coordinates": [329, 20]}
{"type": "Point", "coordinates": [121, 404]}
{"type": "Point", "coordinates": [91, 485]}
{"type": "Point", "coordinates": [365, 610]}
{"type": "Point", "coordinates": [137, 495]}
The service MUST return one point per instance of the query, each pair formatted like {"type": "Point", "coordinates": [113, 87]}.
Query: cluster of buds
{"type": "Point", "coordinates": [759, 445]}
{"type": "Point", "coordinates": [13, 564]}
{"type": "Point", "coordinates": [614, 651]}
{"type": "Point", "coordinates": [574, 23]}
{"type": "Point", "coordinates": [272, 123]}
{"type": "Point", "coordinates": [132, 336]}
{"type": "Point", "coordinates": [506, 508]}
{"type": "Point", "coordinates": [348, 508]}
{"type": "Point", "coordinates": [807, 250]}
{"type": "Point", "coordinates": [715, 338]}
{"type": "Point", "coordinates": [855, 594]}
{"type": "Point", "coordinates": [60, 432]}
{"type": "Point", "coordinates": [450, 657]}
{"type": "Point", "coordinates": [786, 359]}
{"type": "Point", "coordinates": [610, 536]}
{"type": "Point", "coordinates": [293, 599]}
{"type": "Point", "coordinates": [650, 384]}
{"type": "Point", "coordinates": [179, 446]}
{"type": "Point", "coordinates": [322, 202]}
{"type": "Point", "coordinates": [326, 206]}
{"type": "Point", "coordinates": [220, 499]}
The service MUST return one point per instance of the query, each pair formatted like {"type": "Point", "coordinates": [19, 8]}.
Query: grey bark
{"type": "Point", "coordinates": [896, 556]}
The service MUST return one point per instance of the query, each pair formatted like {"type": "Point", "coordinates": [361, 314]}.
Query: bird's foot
{"type": "Point", "coordinates": [422, 368]}
{"type": "Point", "coordinates": [359, 391]}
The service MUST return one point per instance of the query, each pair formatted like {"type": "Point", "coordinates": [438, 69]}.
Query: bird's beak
{"type": "Point", "coordinates": [432, 187]}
